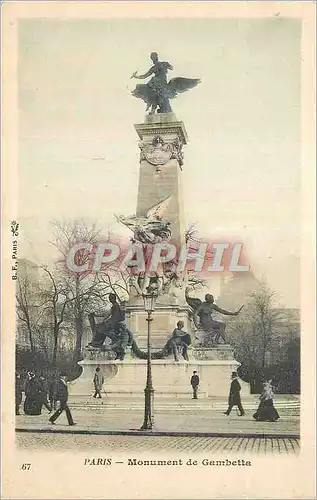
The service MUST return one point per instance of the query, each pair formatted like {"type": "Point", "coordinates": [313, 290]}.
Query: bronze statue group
{"type": "Point", "coordinates": [39, 392]}
{"type": "Point", "coordinates": [114, 328]}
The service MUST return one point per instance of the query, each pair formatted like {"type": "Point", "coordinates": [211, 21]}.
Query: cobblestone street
{"type": "Point", "coordinates": [102, 427]}
{"type": "Point", "coordinates": [157, 443]}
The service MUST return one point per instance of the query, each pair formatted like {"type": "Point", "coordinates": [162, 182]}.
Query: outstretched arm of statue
{"type": "Point", "coordinates": [226, 313]}
{"type": "Point", "coordinates": [141, 77]}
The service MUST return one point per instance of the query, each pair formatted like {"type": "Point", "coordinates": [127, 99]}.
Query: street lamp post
{"type": "Point", "coordinates": [149, 305]}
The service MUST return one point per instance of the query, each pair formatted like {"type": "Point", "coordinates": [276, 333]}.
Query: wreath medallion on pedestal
{"type": "Point", "coordinates": [158, 152]}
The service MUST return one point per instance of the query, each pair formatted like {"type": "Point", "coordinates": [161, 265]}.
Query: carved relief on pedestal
{"type": "Point", "coordinates": [223, 353]}
{"type": "Point", "coordinates": [99, 354]}
{"type": "Point", "coordinates": [177, 151]}
{"type": "Point", "coordinates": [159, 152]}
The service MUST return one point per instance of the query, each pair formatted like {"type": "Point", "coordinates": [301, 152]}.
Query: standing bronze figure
{"type": "Point", "coordinates": [157, 92]}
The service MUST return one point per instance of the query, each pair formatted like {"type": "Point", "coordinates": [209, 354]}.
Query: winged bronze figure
{"type": "Point", "coordinates": [151, 228]}
{"type": "Point", "coordinates": [157, 92]}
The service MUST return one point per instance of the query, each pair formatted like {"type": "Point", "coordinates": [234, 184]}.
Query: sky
{"type": "Point", "coordinates": [78, 150]}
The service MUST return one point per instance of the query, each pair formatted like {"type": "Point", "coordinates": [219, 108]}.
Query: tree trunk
{"type": "Point", "coordinates": [79, 324]}
{"type": "Point", "coordinates": [28, 324]}
{"type": "Point", "coordinates": [54, 359]}
{"type": "Point", "coordinates": [31, 340]}
{"type": "Point", "coordinates": [79, 327]}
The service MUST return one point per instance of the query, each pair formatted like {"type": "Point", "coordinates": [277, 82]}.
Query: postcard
{"type": "Point", "coordinates": [158, 169]}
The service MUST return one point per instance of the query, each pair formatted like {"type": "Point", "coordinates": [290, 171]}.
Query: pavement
{"type": "Point", "coordinates": [108, 416]}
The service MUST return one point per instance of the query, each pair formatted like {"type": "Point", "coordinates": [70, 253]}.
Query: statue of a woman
{"type": "Point", "coordinates": [157, 92]}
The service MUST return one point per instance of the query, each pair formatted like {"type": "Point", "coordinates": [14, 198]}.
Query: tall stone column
{"type": "Point", "coordinates": [162, 138]}
{"type": "Point", "coordinates": [161, 159]}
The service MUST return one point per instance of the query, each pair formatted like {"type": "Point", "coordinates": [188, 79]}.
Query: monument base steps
{"type": "Point", "coordinates": [171, 379]}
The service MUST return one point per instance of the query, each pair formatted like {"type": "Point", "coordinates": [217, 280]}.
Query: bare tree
{"type": "Point", "coordinates": [56, 299]}
{"type": "Point", "coordinates": [254, 330]}
{"type": "Point", "coordinates": [30, 308]}
{"type": "Point", "coordinates": [190, 233]}
{"type": "Point", "coordinates": [25, 308]}
{"type": "Point", "coordinates": [36, 305]}
{"type": "Point", "coordinates": [265, 319]}
{"type": "Point", "coordinates": [87, 290]}
{"type": "Point", "coordinates": [80, 285]}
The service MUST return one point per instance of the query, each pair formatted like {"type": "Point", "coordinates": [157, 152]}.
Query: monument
{"type": "Point", "coordinates": [184, 337]}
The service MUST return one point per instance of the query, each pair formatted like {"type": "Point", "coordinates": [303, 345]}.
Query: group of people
{"type": "Point", "coordinates": [266, 411]}
{"type": "Point", "coordinates": [39, 392]}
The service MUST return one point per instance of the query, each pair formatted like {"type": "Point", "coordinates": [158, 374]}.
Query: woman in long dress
{"type": "Point", "coordinates": [266, 411]}
{"type": "Point", "coordinates": [33, 396]}
{"type": "Point", "coordinates": [154, 93]}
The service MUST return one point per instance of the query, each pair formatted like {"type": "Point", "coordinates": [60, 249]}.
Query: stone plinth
{"type": "Point", "coordinates": [160, 173]}
{"type": "Point", "coordinates": [162, 326]}
{"type": "Point", "coordinates": [161, 140]}
{"type": "Point", "coordinates": [170, 379]}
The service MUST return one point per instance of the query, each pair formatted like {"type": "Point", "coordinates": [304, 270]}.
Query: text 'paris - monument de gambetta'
{"type": "Point", "coordinates": [184, 336]}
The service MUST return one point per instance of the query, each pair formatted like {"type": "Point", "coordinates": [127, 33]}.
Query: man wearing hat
{"type": "Point", "coordinates": [234, 395]}
{"type": "Point", "coordinates": [62, 397]}
{"type": "Point", "coordinates": [194, 382]}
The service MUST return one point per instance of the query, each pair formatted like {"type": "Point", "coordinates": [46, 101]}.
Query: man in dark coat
{"type": "Point", "coordinates": [234, 395]}
{"type": "Point", "coordinates": [44, 390]}
{"type": "Point", "coordinates": [62, 397]}
{"type": "Point", "coordinates": [194, 382]}
{"type": "Point", "coordinates": [52, 390]}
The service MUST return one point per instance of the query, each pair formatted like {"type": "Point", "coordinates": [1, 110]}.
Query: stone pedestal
{"type": "Point", "coordinates": [161, 140]}
{"type": "Point", "coordinates": [161, 159]}
{"type": "Point", "coordinates": [170, 379]}
{"type": "Point", "coordinates": [162, 326]}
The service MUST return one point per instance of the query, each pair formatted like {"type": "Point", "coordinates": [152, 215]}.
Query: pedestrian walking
{"type": "Point", "coordinates": [234, 395]}
{"type": "Point", "coordinates": [33, 401]}
{"type": "Point", "coordinates": [194, 382]}
{"type": "Point", "coordinates": [44, 392]}
{"type": "Point", "coordinates": [98, 382]}
{"type": "Point", "coordinates": [62, 397]}
{"type": "Point", "coordinates": [266, 411]}
{"type": "Point", "coordinates": [52, 390]}
{"type": "Point", "coordinates": [18, 393]}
